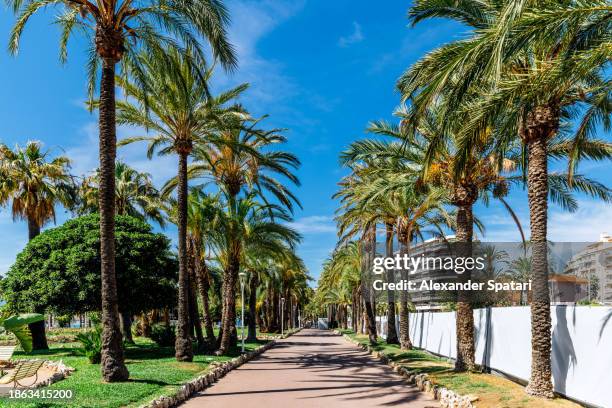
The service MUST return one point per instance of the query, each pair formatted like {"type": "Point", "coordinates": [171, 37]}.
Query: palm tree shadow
{"type": "Point", "coordinates": [604, 323]}
{"type": "Point", "coordinates": [564, 355]}
{"type": "Point", "coordinates": [151, 382]}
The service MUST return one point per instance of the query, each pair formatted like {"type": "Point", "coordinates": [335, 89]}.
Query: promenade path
{"type": "Point", "coordinates": [313, 368]}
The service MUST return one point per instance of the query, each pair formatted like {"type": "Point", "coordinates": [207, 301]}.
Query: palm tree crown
{"type": "Point", "coordinates": [34, 183]}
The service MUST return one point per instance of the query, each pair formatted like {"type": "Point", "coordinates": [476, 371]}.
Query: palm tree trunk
{"type": "Point", "coordinates": [369, 249]}
{"type": "Point", "coordinates": [228, 320]}
{"type": "Point", "coordinates": [542, 124]}
{"type": "Point", "coordinates": [465, 314]}
{"type": "Point", "coordinates": [405, 342]}
{"type": "Point", "coordinates": [391, 331]}
{"type": "Point", "coordinates": [126, 327]}
{"type": "Point", "coordinates": [39, 336]}
{"type": "Point", "coordinates": [194, 316]}
{"type": "Point", "coordinates": [201, 271]}
{"type": "Point", "coordinates": [183, 345]}
{"type": "Point", "coordinates": [252, 336]}
{"type": "Point", "coordinates": [145, 324]}
{"type": "Point", "coordinates": [33, 229]}
{"type": "Point", "coordinates": [113, 365]}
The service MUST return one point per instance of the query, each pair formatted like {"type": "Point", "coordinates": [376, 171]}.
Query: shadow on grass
{"type": "Point", "coordinates": [152, 382]}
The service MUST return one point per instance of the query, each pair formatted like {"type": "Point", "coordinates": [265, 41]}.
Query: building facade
{"type": "Point", "coordinates": [594, 263]}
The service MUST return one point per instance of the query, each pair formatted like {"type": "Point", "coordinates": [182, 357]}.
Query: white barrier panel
{"type": "Point", "coordinates": [581, 345]}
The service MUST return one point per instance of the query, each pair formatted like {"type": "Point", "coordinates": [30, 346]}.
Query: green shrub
{"type": "Point", "coordinates": [163, 335]}
{"type": "Point", "coordinates": [91, 342]}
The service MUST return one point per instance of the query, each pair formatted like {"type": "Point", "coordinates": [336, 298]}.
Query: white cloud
{"type": "Point", "coordinates": [355, 37]}
{"type": "Point", "coordinates": [585, 225]}
{"type": "Point", "coordinates": [252, 21]}
{"type": "Point", "coordinates": [314, 224]}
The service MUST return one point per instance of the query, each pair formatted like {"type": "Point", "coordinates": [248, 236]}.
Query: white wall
{"type": "Point", "coordinates": [581, 353]}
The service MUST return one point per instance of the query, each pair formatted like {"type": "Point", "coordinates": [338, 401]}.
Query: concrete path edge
{"type": "Point", "coordinates": [203, 381]}
{"type": "Point", "coordinates": [446, 397]}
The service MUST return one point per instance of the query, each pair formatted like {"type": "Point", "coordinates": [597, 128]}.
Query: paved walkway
{"type": "Point", "coordinates": [313, 368]}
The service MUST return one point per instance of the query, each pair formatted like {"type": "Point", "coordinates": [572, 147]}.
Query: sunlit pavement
{"type": "Point", "coordinates": [313, 368]}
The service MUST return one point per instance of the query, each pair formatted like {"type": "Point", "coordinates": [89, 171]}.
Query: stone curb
{"type": "Point", "coordinates": [446, 397]}
{"type": "Point", "coordinates": [200, 383]}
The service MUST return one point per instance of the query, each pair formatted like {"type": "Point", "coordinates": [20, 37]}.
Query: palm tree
{"type": "Point", "coordinates": [203, 212]}
{"type": "Point", "coordinates": [244, 225]}
{"type": "Point", "coordinates": [393, 189]}
{"type": "Point", "coordinates": [117, 31]}
{"type": "Point", "coordinates": [135, 194]}
{"type": "Point", "coordinates": [238, 159]}
{"type": "Point", "coordinates": [178, 118]}
{"type": "Point", "coordinates": [34, 183]}
{"type": "Point", "coordinates": [532, 62]}
{"type": "Point", "coordinates": [340, 284]}
{"type": "Point", "coordinates": [359, 216]}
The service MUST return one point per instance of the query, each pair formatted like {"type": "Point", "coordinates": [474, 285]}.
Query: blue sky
{"type": "Point", "coordinates": [322, 69]}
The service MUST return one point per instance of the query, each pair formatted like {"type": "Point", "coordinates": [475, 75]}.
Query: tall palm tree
{"type": "Point", "coordinates": [117, 31]}
{"type": "Point", "coordinates": [178, 118]}
{"type": "Point", "coordinates": [35, 183]}
{"type": "Point", "coordinates": [531, 62]}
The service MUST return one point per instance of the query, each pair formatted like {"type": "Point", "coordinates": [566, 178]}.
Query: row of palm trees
{"type": "Point", "coordinates": [526, 88]}
{"type": "Point", "coordinates": [158, 47]}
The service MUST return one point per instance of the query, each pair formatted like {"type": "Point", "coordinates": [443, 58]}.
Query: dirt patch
{"type": "Point", "coordinates": [494, 391]}
{"type": "Point", "coordinates": [44, 374]}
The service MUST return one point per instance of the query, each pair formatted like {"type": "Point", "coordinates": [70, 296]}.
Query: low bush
{"type": "Point", "coordinates": [163, 335]}
{"type": "Point", "coordinates": [91, 344]}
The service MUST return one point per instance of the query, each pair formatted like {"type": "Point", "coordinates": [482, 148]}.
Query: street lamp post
{"type": "Point", "coordinates": [282, 316]}
{"type": "Point", "coordinates": [242, 277]}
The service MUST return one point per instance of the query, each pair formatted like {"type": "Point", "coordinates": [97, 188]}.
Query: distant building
{"type": "Point", "coordinates": [431, 299]}
{"type": "Point", "coordinates": [566, 289]}
{"type": "Point", "coordinates": [594, 264]}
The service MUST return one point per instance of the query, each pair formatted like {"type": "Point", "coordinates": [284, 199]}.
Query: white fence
{"type": "Point", "coordinates": [581, 345]}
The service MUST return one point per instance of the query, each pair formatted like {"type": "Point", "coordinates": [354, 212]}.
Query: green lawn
{"type": "Point", "coordinates": [153, 372]}
{"type": "Point", "coordinates": [492, 391]}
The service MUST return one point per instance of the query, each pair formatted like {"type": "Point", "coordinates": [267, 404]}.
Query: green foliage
{"type": "Point", "coordinates": [59, 271]}
{"type": "Point", "coordinates": [91, 345]}
{"type": "Point", "coordinates": [153, 370]}
{"type": "Point", "coordinates": [163, 335]}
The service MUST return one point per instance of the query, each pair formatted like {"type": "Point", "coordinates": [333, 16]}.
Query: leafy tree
{"type": "Point", "coordinates": [117, 31]}
{"type": "Point", "coordinates": [59, 271]}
